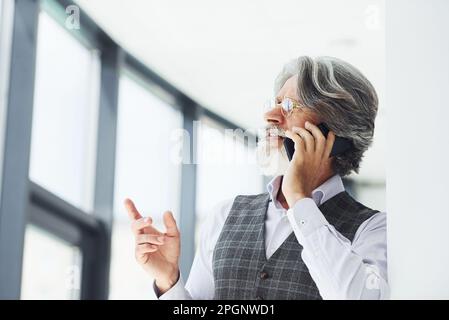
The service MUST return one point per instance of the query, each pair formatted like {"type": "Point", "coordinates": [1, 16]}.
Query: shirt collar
{"type": "Point", "coordinates": [321, 194]}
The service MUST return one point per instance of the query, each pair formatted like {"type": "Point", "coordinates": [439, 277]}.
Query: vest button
{"type": "Point", "coordinates": [263, 275]}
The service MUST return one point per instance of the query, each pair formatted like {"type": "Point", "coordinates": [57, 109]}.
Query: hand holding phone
{"type": "Point", "coordinates": [340, 144]}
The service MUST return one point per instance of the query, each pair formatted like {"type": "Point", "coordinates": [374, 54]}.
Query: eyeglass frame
{"type": "Point", "coordinates": [285, 113]}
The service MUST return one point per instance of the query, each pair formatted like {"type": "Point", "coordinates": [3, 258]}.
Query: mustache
{"type": "Point", "coordinates": [273, 129]}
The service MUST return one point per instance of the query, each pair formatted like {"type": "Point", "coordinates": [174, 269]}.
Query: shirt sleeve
{"type": "Point", "coordinates": [200, 284]}
{"type": "Point", "coordinates": [341, 269]}
{"type": "Point", "coordinates": [177, 292]}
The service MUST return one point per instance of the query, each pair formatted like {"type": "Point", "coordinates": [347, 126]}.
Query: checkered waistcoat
{"type": "Point", "coordinates": [240, 267]}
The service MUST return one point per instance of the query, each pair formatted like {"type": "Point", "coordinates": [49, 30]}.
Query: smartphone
{"type": "Point", "coordinates": [340, 144]}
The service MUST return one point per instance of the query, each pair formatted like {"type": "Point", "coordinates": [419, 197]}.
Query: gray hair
{"type": "Point", "coordinates": [342, 97]}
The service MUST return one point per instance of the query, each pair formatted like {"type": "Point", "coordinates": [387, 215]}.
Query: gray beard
{"type": "Point", "coordinates": [272, 161]}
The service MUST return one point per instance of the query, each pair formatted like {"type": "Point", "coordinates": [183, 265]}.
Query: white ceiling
{"type": "Point", "coordinates": [226, 54]}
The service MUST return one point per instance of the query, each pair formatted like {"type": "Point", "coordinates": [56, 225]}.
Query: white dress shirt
{"type": "Point", "coordinates": [340, 269]}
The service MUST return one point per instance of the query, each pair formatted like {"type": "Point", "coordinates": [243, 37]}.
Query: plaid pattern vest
{"type": "Point", "coordinates": [240, 267]}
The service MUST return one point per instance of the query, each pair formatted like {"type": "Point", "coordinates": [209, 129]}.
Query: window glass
{"type": "Point", "coordinates": [6, 20]}
{"type": "Point", "coordinates": [146, 173]}
{"type": "Point", "coordinates": [51, 267]}
{"type": "Point", "coordinates": [226, 168]}
{"type": "Point", "coordinates": [65, 114]}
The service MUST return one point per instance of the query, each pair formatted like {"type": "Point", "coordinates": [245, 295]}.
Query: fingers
{"type": "Point", "coordinates": [139, 225]}
{"type": "Point", "coordinates": [320, 140]}
{"type": "Point", "coordinates": [314, 140]}
{"type": "Point", "coordinates": [329, 144]}
{"type": "Point", "coordinates": [155, 239]}
{"type": "Point", "coordinates": [170, 224]}
{"type": "Point", "coordinates": [299, 144]}
{"type": "Point", "coordinates": [307, 137]}
{"type": "Point", "coordinates": [131, 209]}
{"type": "Point", "coordinates": [142, 249]}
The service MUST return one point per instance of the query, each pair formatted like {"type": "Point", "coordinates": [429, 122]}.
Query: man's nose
{"type": "Point", "coordinates": [274, 116]}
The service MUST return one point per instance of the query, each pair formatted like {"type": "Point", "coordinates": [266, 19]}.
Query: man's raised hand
{"type": "Point", "coordinates": [157, 252]}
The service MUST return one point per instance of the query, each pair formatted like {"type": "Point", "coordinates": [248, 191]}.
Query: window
{"type": "Point", "coordinates": [59, 236]}
{"type": "Point", "coordinates": [6, 8]}
{"type": "Point", "coordinates": [65, 114]}
{"type": "Point", "coordinates": [51, 267]}
{"type": "Point", "coordinates": [145, 173]}
{"type": "Point", "coordinates": [3, 79]}
{"type": "Point", "coordinates": [226, 168]}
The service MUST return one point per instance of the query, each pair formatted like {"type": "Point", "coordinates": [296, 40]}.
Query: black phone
{"type": "Point", "coordinates": [340, 144]}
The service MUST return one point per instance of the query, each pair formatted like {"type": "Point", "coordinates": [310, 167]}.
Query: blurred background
{"type": "Point", "coordinates": [92, 92]}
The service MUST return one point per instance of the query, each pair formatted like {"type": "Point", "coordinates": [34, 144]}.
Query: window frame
{"type": "Point", "coordinates": [90, 232]}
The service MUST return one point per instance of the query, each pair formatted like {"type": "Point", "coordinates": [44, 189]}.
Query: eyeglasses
{"type": "Point", "coordinates": [287, 105]}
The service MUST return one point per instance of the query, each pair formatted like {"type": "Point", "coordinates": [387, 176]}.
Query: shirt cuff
{"type": "Point", "coordinates": [177, 292]}
{"type": "Point", "coordinates": [305, 217]}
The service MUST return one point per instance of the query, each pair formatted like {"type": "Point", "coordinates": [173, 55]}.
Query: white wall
{"type": "Point", "coordinates": [417, 55]}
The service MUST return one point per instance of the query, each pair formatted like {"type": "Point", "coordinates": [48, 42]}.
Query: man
{"type": "Point", "coordinates": [306, 238]}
